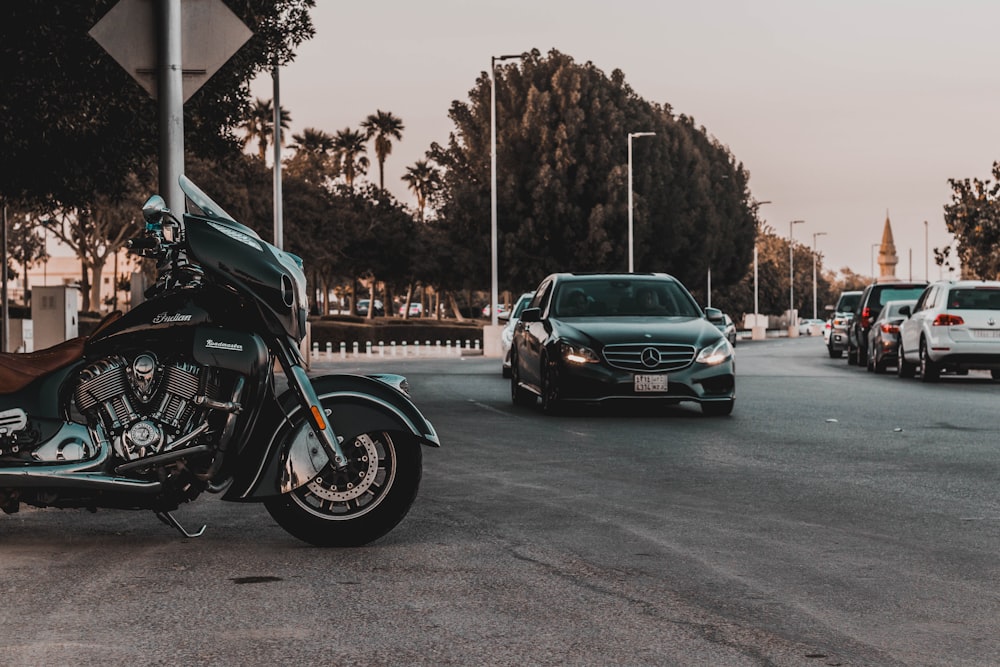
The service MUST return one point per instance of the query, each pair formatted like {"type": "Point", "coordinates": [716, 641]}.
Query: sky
{"type": "Point", "coordinates": [843, 112]}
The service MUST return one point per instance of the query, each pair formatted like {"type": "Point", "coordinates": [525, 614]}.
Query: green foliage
{"type": "Point", "coordinates": [562, 181]}
{"type": "Point", "coordinates": [75, 123]}
{"type": "Point", "coordinates": [973, 217]}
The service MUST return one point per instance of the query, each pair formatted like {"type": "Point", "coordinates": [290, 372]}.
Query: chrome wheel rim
{"type": "Point", "coordinates": [339, 495]}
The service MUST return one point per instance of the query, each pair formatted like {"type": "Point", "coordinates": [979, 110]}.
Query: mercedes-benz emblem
{"type": "Point", "coordinates": [650, 357]}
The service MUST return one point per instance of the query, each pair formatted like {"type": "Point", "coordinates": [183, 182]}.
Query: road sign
{"type": "Point", "coordinates": [211, 34]}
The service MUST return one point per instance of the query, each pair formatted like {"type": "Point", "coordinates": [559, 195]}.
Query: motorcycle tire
{"type": "Point", "coordinates": [360, 504]}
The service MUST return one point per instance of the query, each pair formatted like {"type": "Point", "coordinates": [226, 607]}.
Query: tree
{"type": "Point", "coordinates": [562, 181]}
{"type": "Point", "coordinates": [25, 245]}
{"type": "Point", "coordinates": [259, 125]}
{"type": "Point", "coordinates": [973, 217]}
{"type": "Point", "coordinates": [423, 180]}
{"type": "Point", "coordinates": [384, 127]}
{"type": "Point", "coordinates": [350, 148]}
{"type": "Point", "coordinates": [76, 124]}
{"type": "Point", "coordinates": [98, 231]}
{"type": "Point", "coordinates": [315, 159]}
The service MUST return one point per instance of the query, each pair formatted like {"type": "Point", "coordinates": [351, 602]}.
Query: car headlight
{"type": "Point", "coordinates": [578, 354]}
{"type": "Point", "coordinates": [716, 353]}
{"type": "Point", "coordinates": [507, 336]}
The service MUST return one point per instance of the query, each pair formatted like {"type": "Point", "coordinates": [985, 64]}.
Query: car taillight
{"type": "Point", "coordinates": [866, 316]}
{"type": "Point", "coordinates": [890, 328]}
{"type": "Point", "coordinates": [947, 320]}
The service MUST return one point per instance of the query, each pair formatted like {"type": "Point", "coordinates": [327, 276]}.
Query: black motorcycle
{"type": "Point", "coordinates": [180, 396]}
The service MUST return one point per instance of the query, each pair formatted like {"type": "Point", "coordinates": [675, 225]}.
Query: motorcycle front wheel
{"type": "Point", "coordinates": [359, 504]}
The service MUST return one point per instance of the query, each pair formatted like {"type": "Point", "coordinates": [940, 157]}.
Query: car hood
{"type": "Point", "coordinates": [600, 331]}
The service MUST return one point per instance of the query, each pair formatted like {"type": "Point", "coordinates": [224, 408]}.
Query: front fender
{"type": "Point", "coordinates": [356, 404]}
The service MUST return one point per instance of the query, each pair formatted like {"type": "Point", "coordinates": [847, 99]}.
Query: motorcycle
{"type": "Point", "coordinates": [181, 396]}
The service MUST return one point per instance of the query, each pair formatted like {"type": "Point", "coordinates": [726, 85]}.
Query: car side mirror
{"type": "Point", "coordinates": [714, 315]}
{"type": "Point", "coordinates": [531, 315]}
{"type": "Point", "coordinates": [905, 311]}
{"type": "Point", "coordinates": [828, 307]}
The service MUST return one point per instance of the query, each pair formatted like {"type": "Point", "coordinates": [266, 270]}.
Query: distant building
{"type": "Point", "coordinates": [887, 259]}
{"type": "Point", "coordinates": [65, 270]}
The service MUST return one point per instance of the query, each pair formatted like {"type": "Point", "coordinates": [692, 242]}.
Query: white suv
{"type": "Point", "coordinates": [954, 326]}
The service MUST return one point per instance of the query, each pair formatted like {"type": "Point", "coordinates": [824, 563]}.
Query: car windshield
{"type": "Point", "coordinates": [848, 302]}
{"type": "Point", "coordinates": [899, 294]}
{"type": "Point", "coordinates": [974, 298]}
{"type": "Point", "coordinates": [624, 297]}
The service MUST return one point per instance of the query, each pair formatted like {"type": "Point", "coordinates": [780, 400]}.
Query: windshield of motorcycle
{"type": "Point", "coordinates": [206, 207]}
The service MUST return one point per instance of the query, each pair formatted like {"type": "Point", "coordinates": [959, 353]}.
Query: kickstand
{"type": "Point", "coordinates": [168, 518]}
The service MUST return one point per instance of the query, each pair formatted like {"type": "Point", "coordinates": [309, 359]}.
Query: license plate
{"type": "Point", "coordinates": [648, 383]}
{"type": "Point", "coordinates": [986, 333]}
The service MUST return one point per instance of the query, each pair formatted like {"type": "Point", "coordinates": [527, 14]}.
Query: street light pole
{"type": "Point", "coordinates": [756, 299]}
{"type": "Point", "coordinates": [791, 273]}
{"type": "Point", "coordinates": [494, 282]}
{"type": "Point", "coordinates": [631, 255]}
{"type": "Point", "coordinates": [815, 234]}
{"type": "Point", "coordinates": [874, 245]}
{"type": "Point", "coordinates": [927, 270]}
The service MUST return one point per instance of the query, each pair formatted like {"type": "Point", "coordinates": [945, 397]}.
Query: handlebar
{"type": "Point", "coordinates": [144, 243]}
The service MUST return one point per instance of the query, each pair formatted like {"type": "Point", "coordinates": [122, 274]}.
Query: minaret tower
{"type": "Point", "coordinates": [887, 258]}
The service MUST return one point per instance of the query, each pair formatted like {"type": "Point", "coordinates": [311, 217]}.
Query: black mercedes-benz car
{"type": "Point", "coordinates": [599, 337]}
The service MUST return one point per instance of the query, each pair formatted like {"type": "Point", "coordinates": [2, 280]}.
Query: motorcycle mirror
{"type": "Point", "coordinates": [154, 209]}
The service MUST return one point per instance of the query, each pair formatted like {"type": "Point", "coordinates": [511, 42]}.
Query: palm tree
{"type": "Point", "coordinates": [422, 179]}
{"type": "Point", "coordinates": [315, 159]}
{"type": "Point", "coordinates": [349, 146]}
{"type": "Point", "coordinates": [259, 124]}
{"type": "Point", "coordinates": [384, 127]}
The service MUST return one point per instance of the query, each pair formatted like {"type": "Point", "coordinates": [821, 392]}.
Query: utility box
{"type": "Point", "coordinates": [21, 337]}
{"type": "Point", "coordinates": [54, 313]}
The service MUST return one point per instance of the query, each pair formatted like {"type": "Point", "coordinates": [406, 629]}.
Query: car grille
{"type": "Point", "coordinates": [649, 357]}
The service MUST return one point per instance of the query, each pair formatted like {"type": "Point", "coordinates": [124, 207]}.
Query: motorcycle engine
{"type": "Point", "coordinates": [143, 405]}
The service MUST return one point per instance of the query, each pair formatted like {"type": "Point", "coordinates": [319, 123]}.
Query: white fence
{"type": "Point", "coordinates": [415, 348]}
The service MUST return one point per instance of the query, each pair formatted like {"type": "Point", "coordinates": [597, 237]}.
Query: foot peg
{"type": "Point", "coordinates": [168, 518]}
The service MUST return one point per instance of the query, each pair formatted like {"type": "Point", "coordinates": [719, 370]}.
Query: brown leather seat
{"type": "Point", "coordinates": [18, 370]}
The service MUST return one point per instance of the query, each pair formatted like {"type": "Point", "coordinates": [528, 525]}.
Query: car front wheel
{"type": "Point", "coordinates": [519, 396]}
{"type": "Point", "coordinates": [550, 388]}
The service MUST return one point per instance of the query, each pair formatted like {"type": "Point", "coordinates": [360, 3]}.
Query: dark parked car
{"type": "Point", "coordinates": [873, 298]}
{"type": "Point", "coordinates": [592, 338]}
{"type": "Point", "coordinates": [883, 337]}
{"type": "Point", "coordinates": [840, 323]}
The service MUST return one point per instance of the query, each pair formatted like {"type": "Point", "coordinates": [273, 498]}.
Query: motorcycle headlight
{"type": "Point", "coordinates": [577, 354]}
{"type": "Point", "coordinates": [716, 353]}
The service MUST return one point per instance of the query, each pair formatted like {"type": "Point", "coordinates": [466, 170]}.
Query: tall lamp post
{"type": "Point", "coordinates": [791, 275]}
{"type": "Point", "coordinates": [927, 270]}
{"type": "Point", "coordinates": [631, 255]}
{"type": "Point", "coordinates": [756, 299]}
{"type": "Point", "coordinates": [872, 253]}
{"type": "Point", "coordinates": [494, 285]}
{"type": "Point", "coordinates": [815, 234]}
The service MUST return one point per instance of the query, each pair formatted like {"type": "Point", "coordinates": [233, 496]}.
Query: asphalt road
{"type": "Point", "coordinates": [836, 518]}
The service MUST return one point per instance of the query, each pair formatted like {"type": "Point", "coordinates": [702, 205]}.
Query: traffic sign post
{"type": "Point", "coordinates": [171, 50]}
